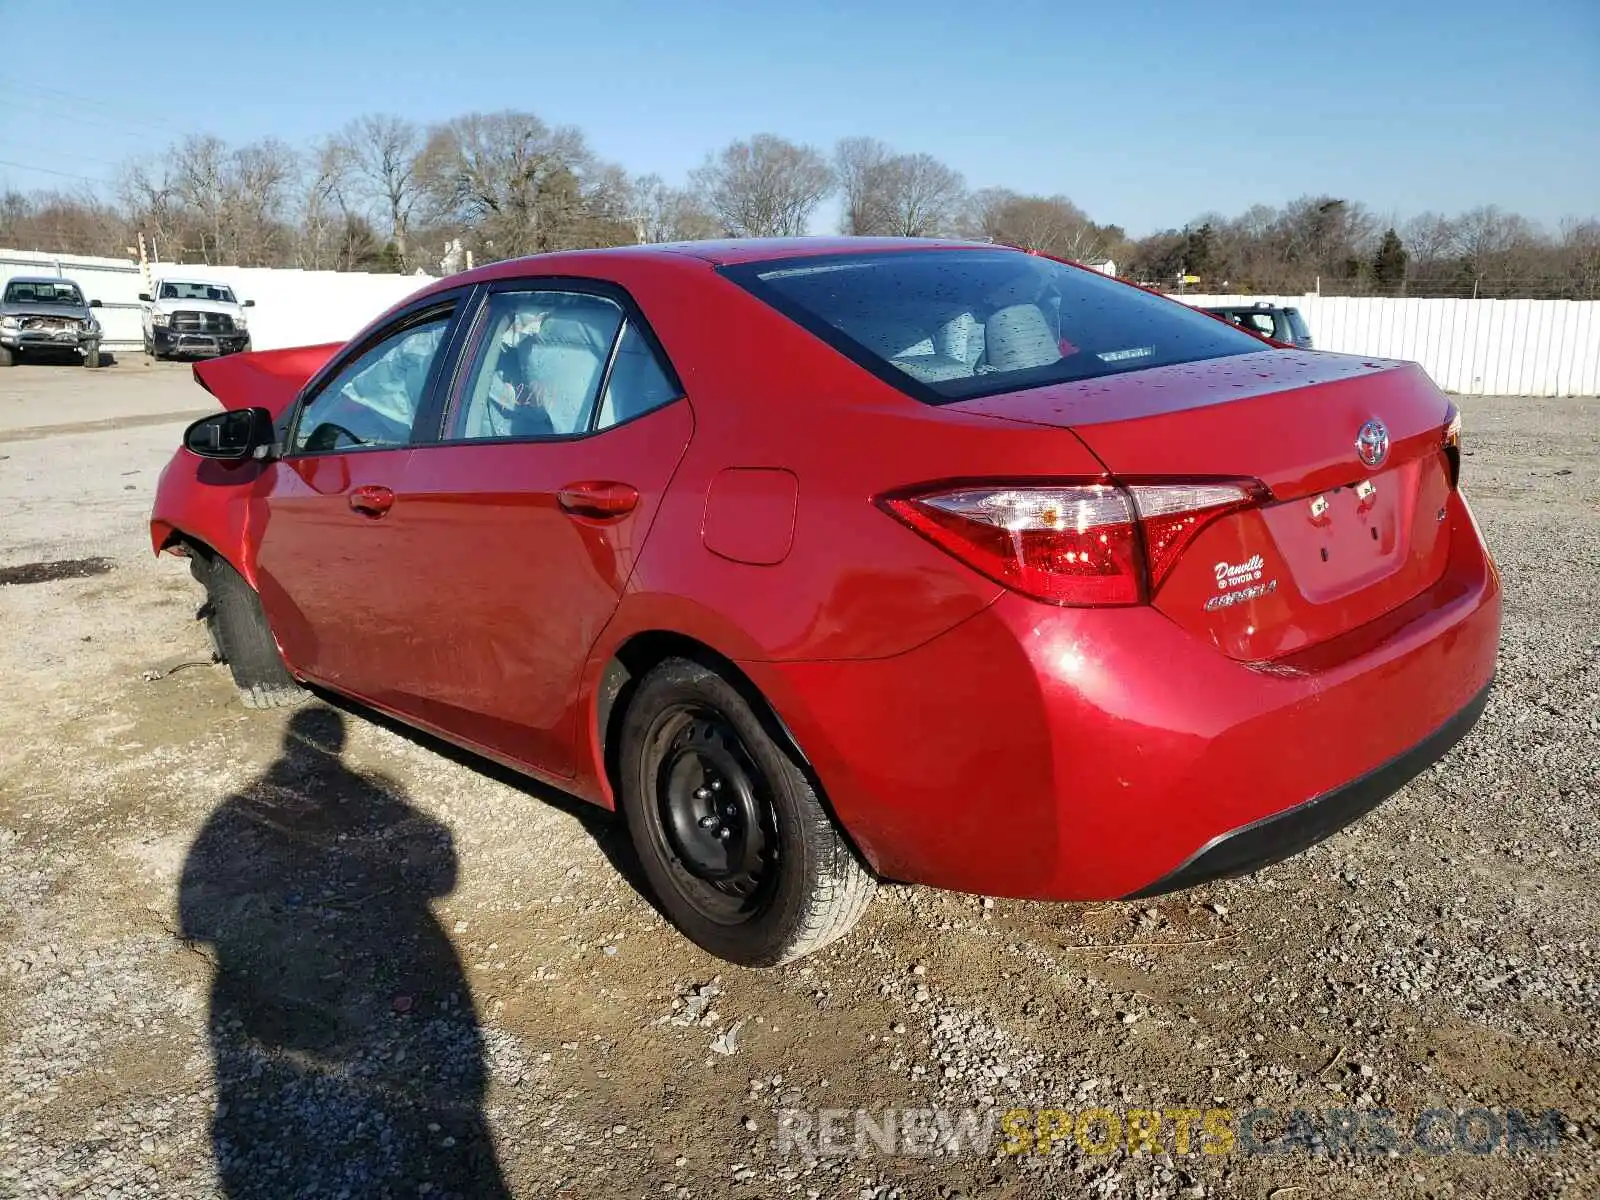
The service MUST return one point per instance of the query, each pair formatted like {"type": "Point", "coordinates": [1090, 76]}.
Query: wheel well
{"type": "Point", "coordinates": [636, 657]}
{"type": "Point", "coordinates": [200, 554]}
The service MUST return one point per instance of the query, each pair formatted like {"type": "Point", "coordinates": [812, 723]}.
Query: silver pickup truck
{"type": "Point", "coordinates": [45, 313]}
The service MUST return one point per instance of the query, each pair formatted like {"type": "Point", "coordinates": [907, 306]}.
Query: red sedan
{"type": "Point", "coordinates": [831, 560]}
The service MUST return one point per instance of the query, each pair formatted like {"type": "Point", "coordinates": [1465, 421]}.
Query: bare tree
{"type": "Point", "coordinates": [257, 181]}
{"type": "Point", "coordinates": [1429, 237]}
{"type": "Point", "coordinates": [662, 213]}
{"type": "Point", "coordinates": [380, 156]}
{"type": "Point", "coordinates": [521, 186]}
{"type": "Point", "coordinates": [1050, 224]}
{"type": "Point", "coordinates": [1580, 247]}
{"type": "Point", "coordinates": [895, 195]}
{"type": "Point", "coordinates": [323, 208]}
{"type": "Point", "coordinates": [62, 223]}
{"type": "Point", "coordinates": [766, 187]}
{"type": "Point", "coordinates": [1492, 245]}
{"type": "Point", "coordinates": [151, 202]}
{"type": "Point", "coordinates": [195, 167]}
{"type": "Point", "coordinates": [861, 167]}
{"type": "Point", "coordinates": [925, 196]}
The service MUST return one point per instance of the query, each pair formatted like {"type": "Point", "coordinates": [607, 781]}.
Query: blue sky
{"type": "Point", "coordinates": [1146, 114]}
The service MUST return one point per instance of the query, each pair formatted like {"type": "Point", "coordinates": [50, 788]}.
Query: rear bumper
{"type": "Point", "coordinates": [1275, 838]}
{"type": "Point", "coordinates": [1067, 754]}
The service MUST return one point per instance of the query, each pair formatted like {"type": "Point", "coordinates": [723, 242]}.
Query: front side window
{"type": "Point", "coordinates": [954, 324]}
{"type": "Point", "coordinates": [538, 367]}
{"type": "Point", "coordinates": [175, 290]}
{"type": "Point", "coordinates": [372, 402]}
{"type": "Point", "coordinates": [43, 292]}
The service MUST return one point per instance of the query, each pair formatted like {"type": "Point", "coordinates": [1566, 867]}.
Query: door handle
{"type": "Point", "coordinates": [371, 499]}
{"type": "Point", "coordinates": [598, 498]}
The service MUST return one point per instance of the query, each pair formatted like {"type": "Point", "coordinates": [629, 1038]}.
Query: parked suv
{"type": "Point", "coordinates": [1269, 320]}
{"type": "Point", "coordinates": [194, 317]}
{"type": "Point", "coordinates": [47, 313]}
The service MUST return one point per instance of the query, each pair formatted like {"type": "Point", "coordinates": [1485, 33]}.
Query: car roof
{"type": "Point", "coordinates": [712, 253]}
{"type": "Point", "coordinates": [41, 279]}
{"type": "Point", "coordinates": [726, 251]}
{"type": "Point", "coordinates": [717, 252]}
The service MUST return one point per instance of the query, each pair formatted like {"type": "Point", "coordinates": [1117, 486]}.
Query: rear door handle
{"type": "Point", "coordinates": [598, 498]}
{"type": "Point", "coordinates": [371, 499]}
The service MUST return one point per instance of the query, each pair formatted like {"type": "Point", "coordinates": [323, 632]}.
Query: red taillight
{"type": "Point", "coordinates": [1171, 514]}
{"type": "Point", "coordinates": [1080, 545]}
{"type": "Point", "coordinates": [1452, 444]}
{"type": "Point", "coordinates": [1065, 545]}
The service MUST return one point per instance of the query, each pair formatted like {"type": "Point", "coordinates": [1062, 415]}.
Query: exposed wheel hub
{"type": "Point", "coordinates": [710, 804]}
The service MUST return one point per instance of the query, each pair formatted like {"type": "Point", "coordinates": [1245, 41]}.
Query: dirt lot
{"type": "Point", "coordinates": [329, 958]}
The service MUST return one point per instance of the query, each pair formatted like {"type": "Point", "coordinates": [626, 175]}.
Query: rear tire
{"type": "Point", "coordinates": [241, 637]}
{"type": "Point", "coordinates": [733, 836]}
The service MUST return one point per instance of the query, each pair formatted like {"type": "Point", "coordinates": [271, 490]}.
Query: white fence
{"type": "Point", "coordinates": [293, 308]}
{"type": "Point", "coordinates": [1477, 347]}
{"type": "Point", "coordinates": [1489, 347]}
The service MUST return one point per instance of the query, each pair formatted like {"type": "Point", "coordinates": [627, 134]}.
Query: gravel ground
{"type": "Point", "coordinates": [313, 954]}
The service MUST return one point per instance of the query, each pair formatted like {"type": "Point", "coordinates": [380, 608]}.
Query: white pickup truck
{"type": "Point", "coordinates": [193, 317]}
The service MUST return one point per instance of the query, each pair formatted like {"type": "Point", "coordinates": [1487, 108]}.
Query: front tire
{"type": "Point", "coordinates": [732, 834]}
{"type": "Point", "coordinates": [8, 357]}
{"type": "Point", "coordinates": [241, 637]}
{"type": "Point", "coordinates": [91, 355]}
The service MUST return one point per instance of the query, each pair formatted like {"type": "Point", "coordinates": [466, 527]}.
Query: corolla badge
{"type": "Point", "coordinates": [1372, 443]}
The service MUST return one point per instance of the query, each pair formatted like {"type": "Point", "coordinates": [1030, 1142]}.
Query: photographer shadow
{"type": "Point", "coordinates": [346, 1043]}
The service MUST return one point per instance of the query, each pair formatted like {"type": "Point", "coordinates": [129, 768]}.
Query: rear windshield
{"type": "Point", "coordinates": [954, 324]}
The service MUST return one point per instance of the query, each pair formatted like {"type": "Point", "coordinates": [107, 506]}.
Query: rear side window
{"type": "Point", "coordinates": [540, 365]}
{"type": "Point", "coordinates": [955, 324]}
{"type": "Point", "coordinates": [637, 383]}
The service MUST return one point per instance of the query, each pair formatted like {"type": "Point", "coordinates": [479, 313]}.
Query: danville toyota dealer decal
{"type": "Point", "coordinates": [1238, 582]}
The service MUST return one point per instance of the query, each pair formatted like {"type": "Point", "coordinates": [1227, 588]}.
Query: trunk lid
{"type": "Point", "coordinates": [268, 379]}
{"type": "Point", "coordinates": [1335, 542]}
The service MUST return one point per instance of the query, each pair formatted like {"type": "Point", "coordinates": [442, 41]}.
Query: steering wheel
{"type": "Point", "coordinates": [326, 437]}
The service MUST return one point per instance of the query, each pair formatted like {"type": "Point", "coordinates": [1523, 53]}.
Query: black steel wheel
{"type": "Point", "coordinates": [729, 829]}
{"type": "Point", "coordinates": [715, 810]}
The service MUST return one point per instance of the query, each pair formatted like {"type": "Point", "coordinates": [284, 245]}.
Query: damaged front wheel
{"type": "Point", "coordinates": [241, 637]}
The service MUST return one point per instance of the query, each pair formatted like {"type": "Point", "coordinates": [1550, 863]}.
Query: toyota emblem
{"type": "Point", "coordinates": [1372, 443]}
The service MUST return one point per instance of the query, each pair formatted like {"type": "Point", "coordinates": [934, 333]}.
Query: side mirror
{"type": "Point", "coordinates": [94, 304]}
{"type": "Point", "coordinates": [234, 436]}
{"type": "Point", "coordinates": [144, 298]}
{"type": "Point", "coordinates": [249, 303]}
